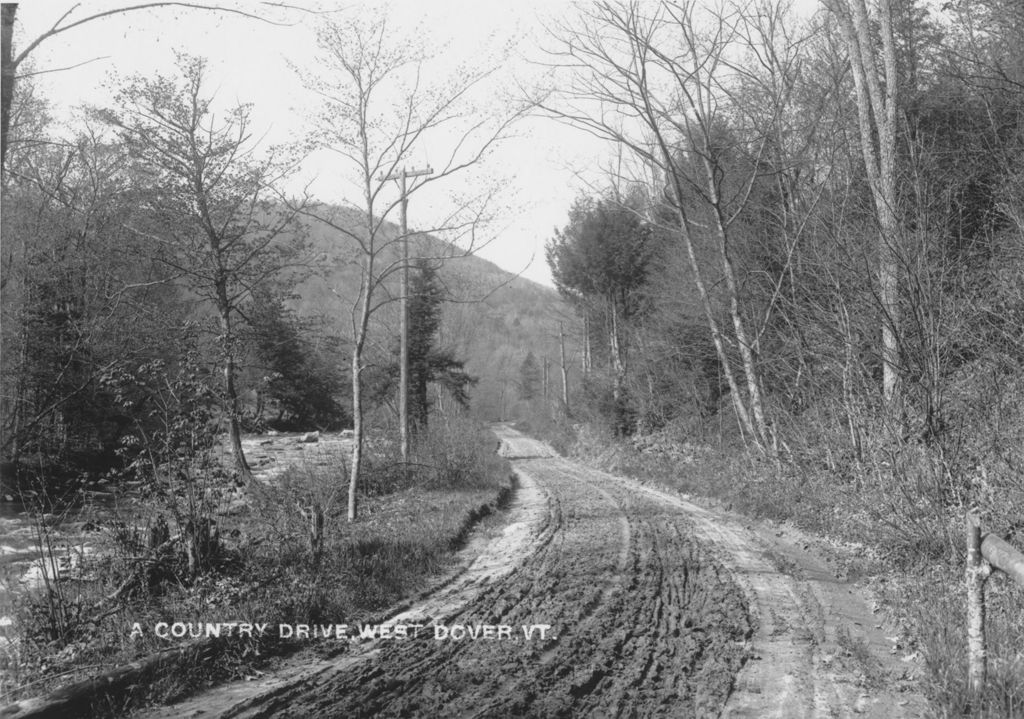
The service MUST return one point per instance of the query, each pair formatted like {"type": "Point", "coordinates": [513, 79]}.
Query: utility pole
{"type": "Point", "coordinates": [403, 389]}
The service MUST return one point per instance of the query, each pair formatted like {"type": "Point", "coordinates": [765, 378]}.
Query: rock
{"type": "Point", "coordinates": [310, 437]}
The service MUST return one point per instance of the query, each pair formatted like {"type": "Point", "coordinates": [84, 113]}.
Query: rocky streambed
{"type": "Point", "coordinates": [38, 546]}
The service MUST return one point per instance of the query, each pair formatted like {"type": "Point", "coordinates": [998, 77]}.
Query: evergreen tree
{"type": "Point", "coordinates": [600, 263]}
{"type": "Point", "coordinates": [529, 378]}
{"type": "Point", "coordinates": [427, 361]}
{"type": "Point", "coordinates": [304, 390]}
{"type": "Point", "coordinates": [425, 298]}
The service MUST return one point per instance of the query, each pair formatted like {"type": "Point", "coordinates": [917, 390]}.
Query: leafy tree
{"type": "Point", "coordinates": [170, 446]}
{"type": "Point", "coordinates": [75, 283]}
{"type": "Point", "coordinates": [207, 202]}
{"type": "Point", "coordinates": [379, 108]}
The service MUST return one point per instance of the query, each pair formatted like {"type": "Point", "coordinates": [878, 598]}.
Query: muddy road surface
{"type": "Point", "coordinates": [604, 598]}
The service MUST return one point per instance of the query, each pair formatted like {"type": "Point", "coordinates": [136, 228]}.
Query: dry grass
{"type": "Point", "coordinates": [265, 571]}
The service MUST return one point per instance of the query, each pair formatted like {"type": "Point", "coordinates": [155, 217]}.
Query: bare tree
{"type": "Point", "coordinates": [379, 109]}
{"type": "Point", "coordinates": [11, 61]}
{"type": "Point", "coordinates": [662, 81]}
{"type": "Point", "coordinates": [873, 65]}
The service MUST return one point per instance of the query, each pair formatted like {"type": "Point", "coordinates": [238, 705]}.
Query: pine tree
{"type": "Point", "coordinates": [425, 298]}
{"type": "Point", "coordinates": [599, 262]}
{"type": "Point", "coordinates": [427, 361]}
{"type": "Point", "coordinates": [529, 378]}
{"type": "Point", "coordinates": [306, 392]}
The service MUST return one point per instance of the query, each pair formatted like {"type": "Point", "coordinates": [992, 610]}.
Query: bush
{"type": "Point", "coordinates": [458, 454]}
{"type": "Point", "coordinates": [412, 516]}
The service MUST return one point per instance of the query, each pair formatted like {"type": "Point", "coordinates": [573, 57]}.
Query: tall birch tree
{"type": "Point", "coordinates": [379, 111]}
{"type": "Point", "coordinates": [872, 59]}
{"type": "Point", "coordinates": [661, 81]}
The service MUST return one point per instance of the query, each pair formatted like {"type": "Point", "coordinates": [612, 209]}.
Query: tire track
{"type": "Point", "coordinates": [643, 622]}
{"type": "Point", "coordinates": [794, 671]}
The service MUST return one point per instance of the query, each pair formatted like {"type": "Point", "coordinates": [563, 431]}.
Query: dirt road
{"type": "Point", "coordinates": [606, 598]}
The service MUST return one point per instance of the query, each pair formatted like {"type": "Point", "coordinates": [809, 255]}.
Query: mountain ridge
{"type": "Point", "coordinates": [491, 317]}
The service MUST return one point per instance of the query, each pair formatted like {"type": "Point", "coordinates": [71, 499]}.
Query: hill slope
{"type": "Point", "coordinates": [492, 318]}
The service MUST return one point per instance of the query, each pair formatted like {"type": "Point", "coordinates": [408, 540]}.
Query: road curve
{"type": "Point", "coordinates": [651, 606]}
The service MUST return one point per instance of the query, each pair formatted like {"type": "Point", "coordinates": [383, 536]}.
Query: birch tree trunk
{"type": "Point", "coordinates": [357, 434]}
{"type": "Point", "coordinates": [615, 350]}
{"type": "Point", "coordinates": [716, 337]}
{"type": "Point", "coordinates": [742, 415]}
{"type": "Point", "coordinates": [586, 362]}
{"type": "Point", "coordinates": [876, 116]}
{"type": "Point", "coordinates": [362, 323]}
{"type": "Point", "coordinates": [758, 423]}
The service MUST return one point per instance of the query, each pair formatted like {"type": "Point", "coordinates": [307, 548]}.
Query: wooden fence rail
{"type": "Point", "coordinates": [984, 554]}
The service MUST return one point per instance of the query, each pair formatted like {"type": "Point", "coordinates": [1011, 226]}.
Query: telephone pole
{"type": "Point", "coordinates": [403, 388]}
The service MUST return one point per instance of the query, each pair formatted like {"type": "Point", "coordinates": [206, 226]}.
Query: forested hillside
{"type": "Point", "coordinates": [157, 282]}
{"type": "Point", "coordinates": [490, 317]}
{"type": "Point", "coordinates": [812, 258]}
{"type": "Point", "coordinates": [490, 320]}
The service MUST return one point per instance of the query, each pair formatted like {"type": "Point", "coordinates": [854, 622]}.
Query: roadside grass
{"type": "Point", "coordinates": [859, 657]}
{"type": "Point", "coordinates": [899, 518]}
{"type": "Point", "coordinates": [270, 568]}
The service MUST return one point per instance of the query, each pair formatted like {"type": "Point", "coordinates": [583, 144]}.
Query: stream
{"type": "Point", "coordinates": [76, 531]}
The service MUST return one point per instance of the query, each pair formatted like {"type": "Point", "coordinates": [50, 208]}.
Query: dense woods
{"type": "Point", "coordinates": [166, 221]}
{"type": "Point", "coordinates": [822, 233]}
{"type": "Point", "coordinates": [833, 267]}
{"type": "Point", "coordinates": [150, 237]}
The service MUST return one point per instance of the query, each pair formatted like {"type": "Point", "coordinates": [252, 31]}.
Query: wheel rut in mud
{"type": "Point", "coordinates": [641, 622]}
{"type": "Point", "coordinates": [653, 607]}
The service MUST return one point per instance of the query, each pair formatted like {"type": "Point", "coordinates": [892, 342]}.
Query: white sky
{"type": "Point", "coordinates": [542, 168]}
{"type": "Point", "coordinates": [249, 62]}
